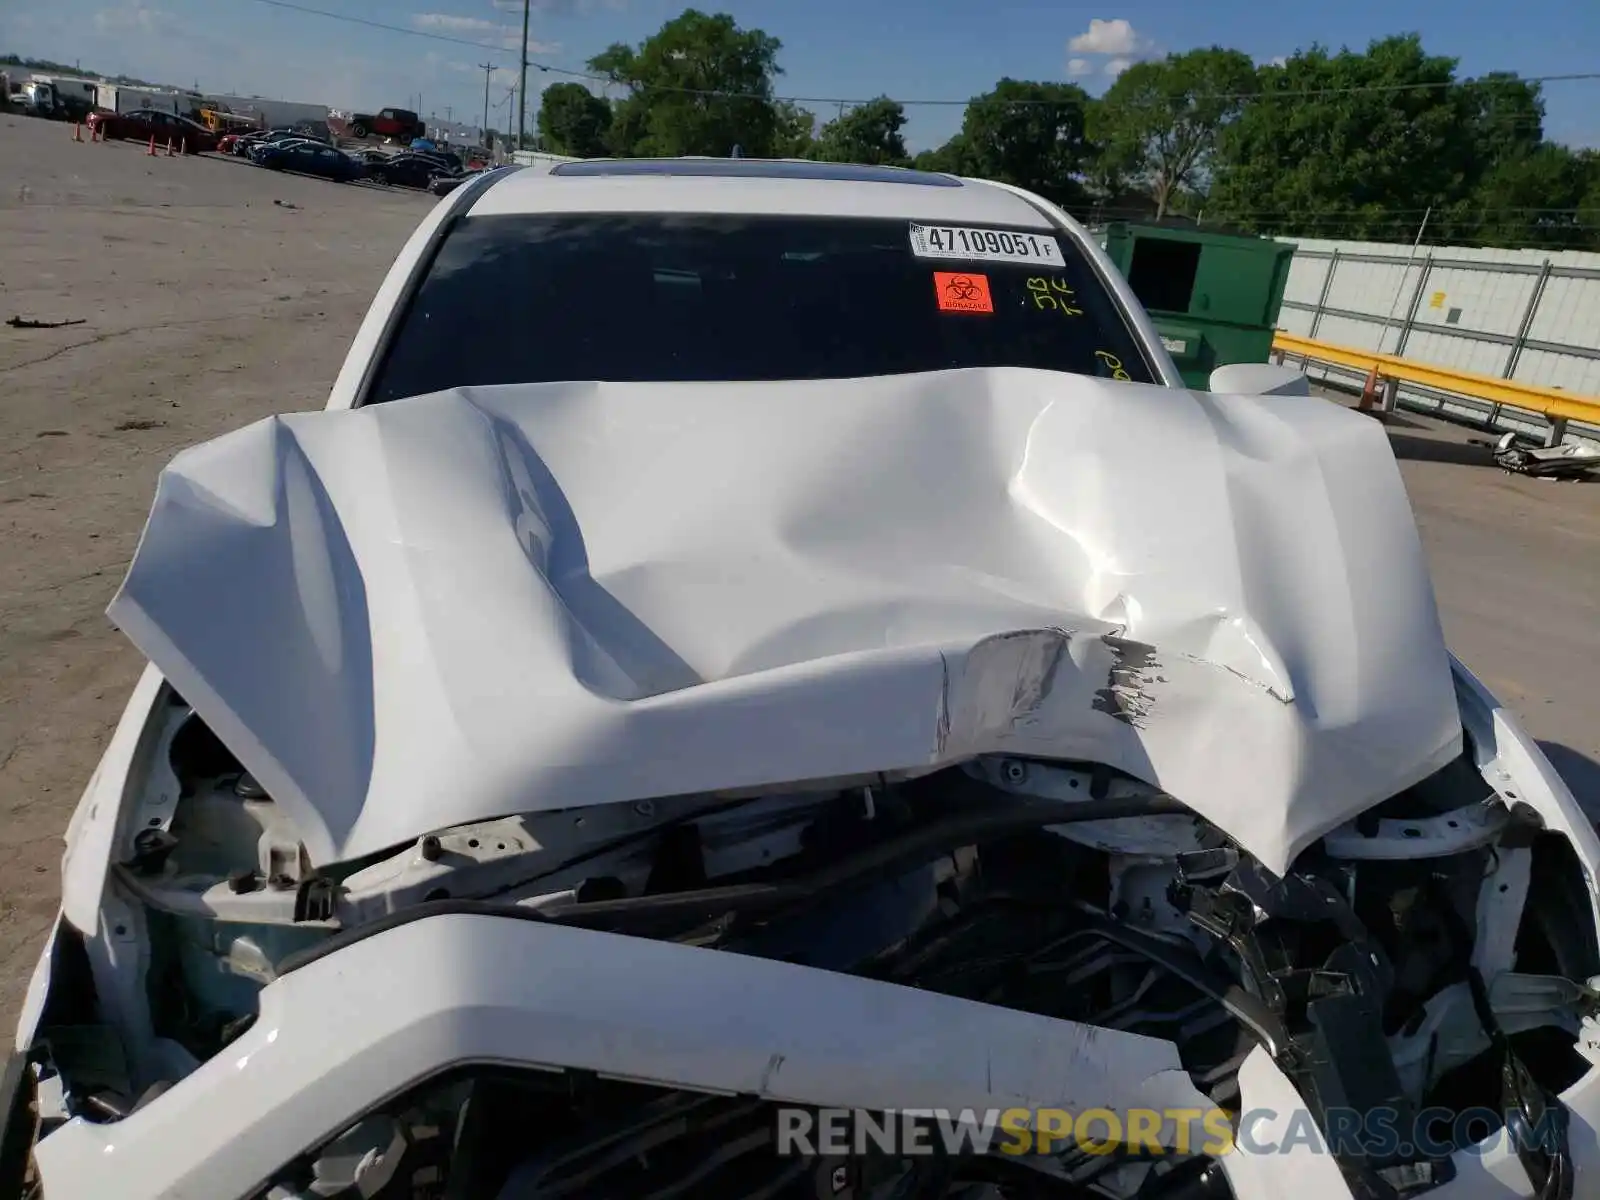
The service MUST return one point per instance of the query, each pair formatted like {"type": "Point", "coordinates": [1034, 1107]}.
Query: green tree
{"type": "Point", "coordinates": [795, 134]}
{"type": "Point", "coordinates": [574, 121]}
{"type": "Point", "coordinates": [701, 85]}
{"type": "Point", "coordinates": [868, 133]}
{"type": "Point", "coordinates": [629, 128]}
{"type": "Point", "coordinates": [1589, 203]}
{"type": "Point", "coordinates": [952, 158]}
{"type": "Point", "coordinates": [1031, 135]}
{"type": "Point", "coordinates": [1502, 162]}
{"type": "Point", "coordinates": [1357, 144]}
{"type": "Point", "coordinates": [1533, 198]}
{"type": "Point", "coordinates": [1507, 115]}
{"type": "Point", "coordinates": [1158, 124]}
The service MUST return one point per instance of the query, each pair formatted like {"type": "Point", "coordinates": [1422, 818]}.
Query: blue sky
{"type": "Point", "coordinates": [908, 49]}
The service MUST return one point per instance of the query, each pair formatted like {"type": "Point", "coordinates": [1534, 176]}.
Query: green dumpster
{"type": "Point", "coordinates": [1213, 297]}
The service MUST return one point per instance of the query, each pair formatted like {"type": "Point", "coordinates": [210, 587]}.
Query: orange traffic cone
{"type": "Point", "coordinates": [169, 148]}
{"type": "Point", "coordinates": [77, 131]}
{"type": "Point", "coordinates": [151, 152]}
{"type": "Point", "coordinates": [183, 147]}
{"type": "Point", "coordinates": [1369, 390]}
{"type": "Point", "coordinates": [94, 133]}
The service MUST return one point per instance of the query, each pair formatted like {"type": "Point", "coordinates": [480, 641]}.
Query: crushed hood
{"type": "Point", "coordinates": [498, 600]}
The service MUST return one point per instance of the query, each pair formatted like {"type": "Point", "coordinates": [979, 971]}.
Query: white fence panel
{"type": "Point", "coordinates": [1528, 315]}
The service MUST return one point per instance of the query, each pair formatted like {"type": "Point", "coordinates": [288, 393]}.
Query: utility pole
{"type": "Point", "coordinates": [488, 70]}
{"type": "Point", "coordinates": [522, 85]}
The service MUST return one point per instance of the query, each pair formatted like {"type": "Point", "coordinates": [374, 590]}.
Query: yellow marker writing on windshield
{"type": "Point", "coordinates": [1054, 294]}
{"type": "Point", "coordinates": [1115, 363]}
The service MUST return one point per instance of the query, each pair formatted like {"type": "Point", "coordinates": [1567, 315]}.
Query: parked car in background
{"type": "Point", "coordinates": [446, 158]}
{"type": "Point", "coordinates": [241, 145]}
{"type": "Point", "coordinates": [317, 131]}
{"type": "Point", "coordinates": [274, 144]}
{"type": "Point", "coordinates": [443, 185]}
{"type": "Point", "coordinates": [397, 124]}
{"type": "Point", "coordinates": [308, 157]}
{"type": "Point", "coordinates": [269, 137]}
{"type": "Point", "coordinates": [409, 170]}
{"type": "Point", "coordinates": [145, 123]}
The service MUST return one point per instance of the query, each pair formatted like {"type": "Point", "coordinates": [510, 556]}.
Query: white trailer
{"type": "Point", "coordinates": [272, 114]}
{"type": "Point", "coordinates": [53, 96]}
{"type": "Point", "coordinates": [121, 98]}
{"type": "Point", "coordinates": [74, 92]}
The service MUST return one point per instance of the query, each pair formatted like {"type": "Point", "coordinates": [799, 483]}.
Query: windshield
{"type": "Point", "coordinates": [643, 298]}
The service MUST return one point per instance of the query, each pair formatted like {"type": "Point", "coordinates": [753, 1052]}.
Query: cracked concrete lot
{"type": "Point", "coordinates": [207, 302]}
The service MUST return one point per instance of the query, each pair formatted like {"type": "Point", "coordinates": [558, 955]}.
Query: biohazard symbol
{"type": "Point", "coordinates": [962, 292]}
{"type": "Point", "coordinates": [961, 288]}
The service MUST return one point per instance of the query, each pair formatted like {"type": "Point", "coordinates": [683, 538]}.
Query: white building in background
{"type": "Point", "coordinates": [454, 133]}
{"type": "Point", "coordinates": [126, 97]}
{"type": "Point", "coordinates": [272, 113]}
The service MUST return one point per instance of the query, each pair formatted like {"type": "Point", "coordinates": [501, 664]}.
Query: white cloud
{"type": "Point", "coordinates": [536, 48]}
{"type": "Point", "coordinates": [1116, 36]}
{"type": "Point", "coordinates": [504, 36]}
{"type": "Point", "coordinates": [130, 18]}
{"type": "Point", "coordinates": [1278, 60]}
{"type": "Point", "coordinates": [450, 23]}
{"type": "Point", "coordinates": [1107, 48]}
{"type": "Point", "coordinates": [559, 8]}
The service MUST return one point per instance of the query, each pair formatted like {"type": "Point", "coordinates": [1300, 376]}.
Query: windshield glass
{"type": "Point", "coordinates": [643, 298]}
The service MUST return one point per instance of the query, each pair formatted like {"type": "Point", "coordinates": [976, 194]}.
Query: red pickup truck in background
{"type": "Point", "coordinates": [394, 124]}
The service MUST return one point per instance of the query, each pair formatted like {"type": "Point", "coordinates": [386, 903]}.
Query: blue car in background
{"type": "Point", "coordinates": [309, 158]}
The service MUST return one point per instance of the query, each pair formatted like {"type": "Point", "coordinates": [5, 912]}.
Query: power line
{"type": "Point", "coordinates": [370, 24]}
{"type": "Point", "coordinates": [1472, 214]}
{"type": "Point", "coordinates": [1355, 215]}
{"type": "Point", "coordinates": [831, 101]}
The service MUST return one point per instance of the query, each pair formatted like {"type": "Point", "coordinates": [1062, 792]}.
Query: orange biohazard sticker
{"type": "Point", "coordinates": [962, 291]}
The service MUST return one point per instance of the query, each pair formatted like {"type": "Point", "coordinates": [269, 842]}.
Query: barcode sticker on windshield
{"type": "Point", "coordinates": [984, 245]}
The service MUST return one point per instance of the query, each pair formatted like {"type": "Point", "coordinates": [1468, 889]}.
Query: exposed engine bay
{"type": "Point", "coordinates": [1438, 953]}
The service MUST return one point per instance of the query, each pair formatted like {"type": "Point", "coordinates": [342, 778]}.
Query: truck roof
{"type": "Point", "coordinates": [751, 185]}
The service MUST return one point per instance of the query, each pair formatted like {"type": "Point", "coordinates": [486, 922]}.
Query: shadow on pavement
{"type": "Point", "coordinates": [1397, 420]}
{"type": "Point", "coordinates": [1581, 774]}
{"type": "Point", "coordinates": [1427, 449]}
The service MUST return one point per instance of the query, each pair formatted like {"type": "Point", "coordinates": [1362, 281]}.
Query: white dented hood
{"type": "Point", "coordinates": [497, 600]}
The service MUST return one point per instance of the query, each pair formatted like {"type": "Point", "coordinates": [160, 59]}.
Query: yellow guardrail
{"type": "Point", "coordinates": [1551, 403]}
